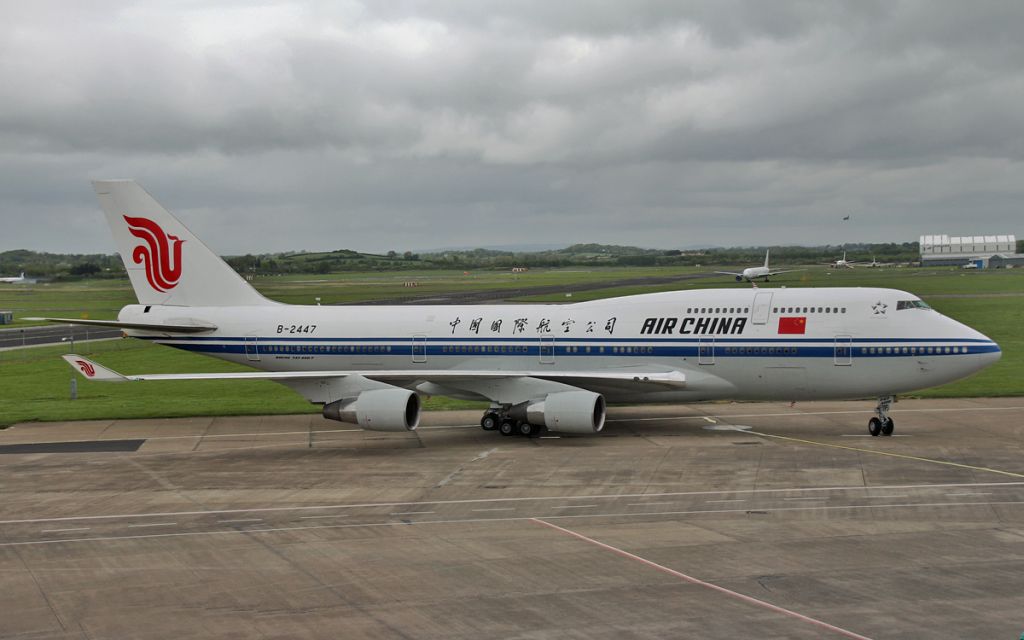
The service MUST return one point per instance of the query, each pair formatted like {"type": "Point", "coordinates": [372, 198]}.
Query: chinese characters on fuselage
{"type": "Point", "coordinates": [520, 325]}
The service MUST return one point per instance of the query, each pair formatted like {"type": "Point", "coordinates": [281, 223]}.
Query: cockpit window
{"type": "Point", "coordinates": [912, 304]}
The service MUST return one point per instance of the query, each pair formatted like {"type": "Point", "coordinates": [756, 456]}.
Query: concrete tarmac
{"type": "Point", "coordinates": [697, 521]}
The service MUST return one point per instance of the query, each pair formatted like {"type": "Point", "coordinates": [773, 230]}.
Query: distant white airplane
{"type": "Point", "coordinates": [753, 273]}
{"type": "Point", "coordinates": [842, 263]}
{"type": "Point", "coordinates": [539, 366]}
{"type": "Point", "coordinates": [14, 280]}
{"type": "Point", "coordinates": [874, 264]}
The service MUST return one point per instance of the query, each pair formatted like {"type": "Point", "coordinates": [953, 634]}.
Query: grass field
{"type": "Point", "coordinates": [34, 383]}
{"type": "Point", "coordinates": [102, 299]}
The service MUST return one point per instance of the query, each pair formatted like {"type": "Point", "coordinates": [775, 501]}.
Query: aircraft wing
{"type": "Point", "coordinates": [664, 379]}
{"type": "Point", "coordinates": [728, 273]}
{"type": "Point", "coordinates": [185, 326]}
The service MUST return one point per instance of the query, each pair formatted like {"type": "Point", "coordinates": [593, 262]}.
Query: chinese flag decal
{"type": "Point", "coordinates": [793, 325]}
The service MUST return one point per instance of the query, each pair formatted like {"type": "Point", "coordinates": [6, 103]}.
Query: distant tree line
{"type": "Point", "coordinates": [74, 266]}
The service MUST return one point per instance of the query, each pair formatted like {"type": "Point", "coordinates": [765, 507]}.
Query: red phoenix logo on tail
{"type": "Point", "coordinates": [162, 269]}
{"type": "Point", "coordinates": [86, 368]}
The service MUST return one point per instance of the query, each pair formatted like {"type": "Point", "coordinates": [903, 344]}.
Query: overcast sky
{"type": "Point", "coordinates": [412, 125]}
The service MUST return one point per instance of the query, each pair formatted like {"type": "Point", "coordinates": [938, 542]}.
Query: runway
{"type": "Point", "coordinates": [711, 521]}
{"type": "Point", "coordinates": [53, 334]}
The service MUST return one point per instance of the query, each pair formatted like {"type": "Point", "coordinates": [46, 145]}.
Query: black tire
{"type": "Point", "coordinates": [528, 430]}
{"type": "Point", "coordinates": [887, 427]}
{"type": "Point", "coordinates": [507, 428]}
{"type": "Point", "coordinates": [874, 426]}
{"type": "Point", "coordinates": [489, 422]}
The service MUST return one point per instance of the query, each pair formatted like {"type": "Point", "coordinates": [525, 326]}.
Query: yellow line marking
{"type": "Point", "coordinates": [890, 454]}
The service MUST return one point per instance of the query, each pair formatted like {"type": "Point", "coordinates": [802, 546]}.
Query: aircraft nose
{"type": "Point", "coordinates": [987, 351]}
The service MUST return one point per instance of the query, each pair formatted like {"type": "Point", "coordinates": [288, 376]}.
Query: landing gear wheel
{"type": "Point", "coordinates": [489, 422]}
{"type": "Point", "coordinates": [874, 426]}
{"type": "Point", "coordinates": [507, 428]}
{"type": "Point", "coordinates": [528, 430]}
{"type": "Point", "coordinates": [887, 427]}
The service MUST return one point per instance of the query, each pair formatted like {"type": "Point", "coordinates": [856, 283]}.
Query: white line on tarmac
{"type": "Point", "coordinates": [155, 524]}
{"type": "Point", "coordinates": [646, 504]}
{"type": "Point", "coordinates": [511, 519]}
{"type": "Point", "coordinates": [65, 530]}
{"type": "Point", "coordinates": [240, 520]}
{"type": "Point", "coordinates": [340, 515]}
{"type": "Point", "coordinates": [811, 498]}
{"type": "Point", "coordinates": [576, 506]}
{"type": "Point", "coordinates": [166, 514]}
{"type": "Point", "coordinates": [497, 509]}
{"type": "Point", "coordinates": [733, 500]}
{"type": "Point", "coordinates": [979, 493]}
{"type": "Point", "coordinates": [411, 513]}
{"type": "Point", "coordinates": [886, 497]}
{"type": "Point", "coordinates": [206, 436]}
{"type": "Point", "coordinates": [714, 587]}
{"type": "Point", "coordinates": [727, 416]}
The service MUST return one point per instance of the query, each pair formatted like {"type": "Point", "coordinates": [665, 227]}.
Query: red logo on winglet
{"type": "Point", "coordinates": [796, 325]}
{"type": "Point", "coordinates": [87, 369]}
{"type": "Point", "coordinates": [162, 269]}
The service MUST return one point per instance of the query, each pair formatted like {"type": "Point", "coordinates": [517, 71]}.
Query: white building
{"type": "Point", "coordinates": [940, 250]}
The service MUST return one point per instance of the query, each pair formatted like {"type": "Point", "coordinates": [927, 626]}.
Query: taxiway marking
{"type": "Point", "coordinates": [807, 413]}
{"type": "Point", "coordinates": [889, 453]}
{"type": "Point", "coordinates": [501, 520]}
{"type": "Point", "coordinates": [707, 585]}
{"type": "Point", "coordinates": [612, 496]}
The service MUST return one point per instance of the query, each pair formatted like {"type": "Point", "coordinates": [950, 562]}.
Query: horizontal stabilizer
{"type": "Point", "coordinates": [190, 327]}
{"type": "Point", "coordinates": [92, 370]}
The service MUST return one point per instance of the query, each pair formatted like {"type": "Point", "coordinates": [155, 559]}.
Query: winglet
{"type": "Point", "coordinates": [92, 370]}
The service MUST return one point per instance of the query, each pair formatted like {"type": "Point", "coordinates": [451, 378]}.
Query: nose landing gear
{"type": "Point", "coordinates": [882, 425]}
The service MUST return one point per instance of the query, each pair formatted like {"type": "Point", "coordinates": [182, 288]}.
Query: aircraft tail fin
{"type": "Point", "coordinates": [166, 263]}
{"type": "Point", "coordinates": [766, 252]}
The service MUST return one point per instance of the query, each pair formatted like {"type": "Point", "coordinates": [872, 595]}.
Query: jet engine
{"type": "Point", "coordinates": [566, 411]}
{"type": "Point", "coordinates": [739, 278]}
{"type": "Point", "coordinates": [378, 410]}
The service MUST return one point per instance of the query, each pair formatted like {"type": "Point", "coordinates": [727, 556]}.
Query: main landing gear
{"type": "Point", "coordinates": [882, 425]}
{"type": "Point", "coordinates": [497, 419]}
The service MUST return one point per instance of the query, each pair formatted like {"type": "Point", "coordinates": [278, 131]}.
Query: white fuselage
{"type": "Point", "coordinates": [739, 344]}
{"type": "Point", "coordinates": [753, 273]}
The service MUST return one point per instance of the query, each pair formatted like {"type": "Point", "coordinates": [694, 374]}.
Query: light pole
{"type": "Point", "coordinates": [74, 380]}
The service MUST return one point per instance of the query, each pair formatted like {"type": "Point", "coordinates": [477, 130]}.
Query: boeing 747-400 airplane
{"type": "Point", "coordinates": [539, 366]}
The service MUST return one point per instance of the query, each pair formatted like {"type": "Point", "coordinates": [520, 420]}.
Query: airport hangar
{"type": "Point", "coordinates": [984, 252]}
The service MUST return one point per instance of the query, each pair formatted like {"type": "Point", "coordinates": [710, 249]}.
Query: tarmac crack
{"type": "Point", "coordinates": [42, 592]}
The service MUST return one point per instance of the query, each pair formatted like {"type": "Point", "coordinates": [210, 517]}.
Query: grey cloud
{"type": "Point", "coordinates": [417, 124]}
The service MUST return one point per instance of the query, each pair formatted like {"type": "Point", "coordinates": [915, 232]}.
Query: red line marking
{"type": "Point", "coordinates": [708, 585]}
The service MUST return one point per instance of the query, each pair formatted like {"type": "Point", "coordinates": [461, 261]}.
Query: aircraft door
{"type": "Point", "coordinates": [706, 351]}
{"type": "Point", "coordinates": [419, 348]}
{"type": "Point", "coordinates": [547, 350]}
{"type": "Point", "coordinates": [844, 351]}
{"type": "Point", "coordinates": [252, 350]}
{"type": "Point", "coordinates": [762, 305]}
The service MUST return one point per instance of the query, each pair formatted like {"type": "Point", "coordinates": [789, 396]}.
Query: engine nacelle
{"type": "Point", "coordinates": [378, 410]}
{"type": "Point", "coordinates": [566, 411]}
